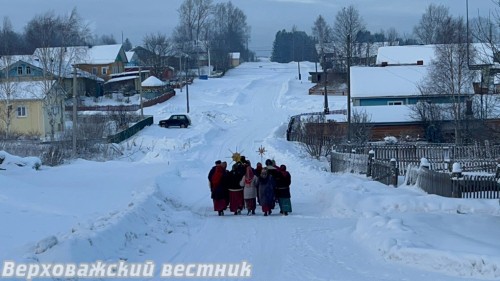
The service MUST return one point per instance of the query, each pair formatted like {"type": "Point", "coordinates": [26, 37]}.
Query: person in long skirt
{"type": "Point", "coordinates": [266, 187]}
{"type": "Point", "coordinates": [283, 192]}
{"type": "Point", "coordinates": [249, 183]}
{"type": "Point", "coordinates": [219, 190]}
{"type": "Point", "coordinates": [236, 201]}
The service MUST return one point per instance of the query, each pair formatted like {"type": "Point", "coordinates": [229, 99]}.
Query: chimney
{"type": "Point", "coordinates": [420, 62]}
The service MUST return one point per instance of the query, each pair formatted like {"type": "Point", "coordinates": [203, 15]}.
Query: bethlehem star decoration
{"type": "Point", "coordinates": [261, 151]}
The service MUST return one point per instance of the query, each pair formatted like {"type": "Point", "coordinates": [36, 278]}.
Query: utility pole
{"type": "Point", "coordinates": [209, 66]}
{"type": "Point", "coordinates": [325, 80]}
{"type": "Point", "coordinates": [298, 65]}
{"type": "Point", "coordinates": [180, 73]}
{"type": "Point", "coordinates": [75, 116]}
{"type": "Point", "coordinates": [187, 87]}
{"type": "Point", "coordinates": [348, 87]}
{"type": "Point", "coordinates": [140, 92]}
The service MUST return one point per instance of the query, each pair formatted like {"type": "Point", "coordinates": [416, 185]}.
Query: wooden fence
{"type": "Point", "coordinates": [476, 186]}
{"type": "Point", "coordinates": [351, 163]}
{"type": "Point", "coordinates": [384, 172]}
{"type": "Point", "coordinates": [432, 178]}
{"type": "Point", "coordinates": [456, 185]}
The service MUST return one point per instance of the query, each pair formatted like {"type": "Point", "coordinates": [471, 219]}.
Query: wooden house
{"type": "Point", "coordinates": [32, 94]}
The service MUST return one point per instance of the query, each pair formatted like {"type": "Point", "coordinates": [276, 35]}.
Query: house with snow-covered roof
{"type": "Point", "coordinates": [32, 94]}
{"type": "Point", "coordinates": [29, 108]}
{"type": "Point", "coordinates": [388, 92]}
{"type": "Point", "coordinates": [100, 60]}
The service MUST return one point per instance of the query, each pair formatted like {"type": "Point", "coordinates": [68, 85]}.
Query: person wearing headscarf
{"type": "Point", "coordinates": [249, 183]}
{"type": "Point", "coordinates": [266, 186]}
{"type": "Point", "coordinates": [283, 191]}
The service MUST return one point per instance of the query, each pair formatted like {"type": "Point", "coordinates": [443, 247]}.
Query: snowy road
{"type": "Point", "coordinates": [154, 203]}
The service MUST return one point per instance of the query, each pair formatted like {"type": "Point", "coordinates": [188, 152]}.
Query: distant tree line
{"type": "Point", "coordinates": [348, 29]}
{"type": "Point", "coordinates": [48, 30]}
{"type": "Point", "coordinates": [293, 46]}
{"type": "Point", "coordinates": [203, 27]}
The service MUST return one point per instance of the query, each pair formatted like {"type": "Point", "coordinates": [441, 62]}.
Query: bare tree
{"type": "Point", "coordinates": [449, 75]}
{"type": "Point", "coordinates": [8, 92]}
{"type": "Point", "coordinates": [49, 30]}
{"type": "Point", "coordinates": [229, 32]}
{"type": "Point", "coordinates": [428, 29]}
{"type": "Point", "coordinates": [360, 127]}
{"type": "Point", "coordinates": [317, 136]}
{"type": "Point", "coordinates": [159, 47]}
{"type": "Point", "coordinates": [392, 36]}
{"type": "Point", "coordinates": [322, 32]}
{"type": "Point", "coordinates": [193, 17]}
{"type": "Point", "coordinates": [348, 23]}
{"type": "Point", "coordinates": [52, 35]}
{"type": "Point", "coordinates": [428, 112]}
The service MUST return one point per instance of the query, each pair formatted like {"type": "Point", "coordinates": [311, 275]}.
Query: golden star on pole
{"type": "Point", "coordinates": [236, 156]}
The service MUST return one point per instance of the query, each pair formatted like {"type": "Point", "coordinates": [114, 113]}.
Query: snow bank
{"type": "Point", "coordinates": [8, 161]}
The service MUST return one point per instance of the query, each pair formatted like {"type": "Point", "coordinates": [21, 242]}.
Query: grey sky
{"type": "Point", "coordinates": [136, 18]}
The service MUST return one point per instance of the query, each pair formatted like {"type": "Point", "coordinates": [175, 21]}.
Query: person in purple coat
{"type": "Point", "coordinates": [266, 186]}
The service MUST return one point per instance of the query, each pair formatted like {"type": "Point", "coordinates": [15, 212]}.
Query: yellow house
{"type": "Point", "coordinates": [33, 105]}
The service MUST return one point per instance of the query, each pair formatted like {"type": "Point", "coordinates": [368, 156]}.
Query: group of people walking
{"type": "Point", "coordinates": [244, 186]}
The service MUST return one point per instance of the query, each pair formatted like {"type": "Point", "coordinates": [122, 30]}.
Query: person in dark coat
{"type": "Point", "coordinates": [258, 170]}
{"type": "Point", "coordinates": [283, 191]}
{"type": "Point", "coordinates": [236, 199]}
{"type": "Point", "coordinates": [266, 186]}
{"type": "Point", "coordinates": [219, 189]}
{"type": "Point", "coordinates": [273, 170]}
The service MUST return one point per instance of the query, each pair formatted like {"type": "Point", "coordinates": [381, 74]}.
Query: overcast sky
{"type": "Point", "coordinates": [136, 18]}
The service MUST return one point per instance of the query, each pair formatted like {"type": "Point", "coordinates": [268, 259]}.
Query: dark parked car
{"type": "Point", "coordinates": [176, 120]}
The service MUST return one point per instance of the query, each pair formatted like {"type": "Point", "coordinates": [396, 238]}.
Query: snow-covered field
{"type": "Point", "coordinates": [153, 204]}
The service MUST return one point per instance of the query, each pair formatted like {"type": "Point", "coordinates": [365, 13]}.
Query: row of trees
{"type": "Point", "coordinates": [203, 28]}
{"type": "Point", "coordinates": [49, 29]}
{"type": "Point", "coordinates": [349, 29]}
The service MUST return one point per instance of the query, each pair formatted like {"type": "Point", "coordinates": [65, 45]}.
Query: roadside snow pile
{"type": "Point", "coordinates": [11, 161]}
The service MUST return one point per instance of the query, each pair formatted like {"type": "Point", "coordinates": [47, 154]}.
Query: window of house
{"type": "Point", "coordinates": [115, 69]}
{"type": "Point", "coordinates": [94, 70]}
{"type": "Point", "coordinates": [395, 102]}
{"type": "Point", "coordinates": [28, 70]}
{"type": "Point", "coordinates": [104, 71]}
{"type": "Point", "coordinates": [19, 70]}
{"type": "Point", "coordinates": [21, 111]}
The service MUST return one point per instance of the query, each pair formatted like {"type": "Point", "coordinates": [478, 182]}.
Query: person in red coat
{"type": "Point", "coordinates": [219, 189]}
